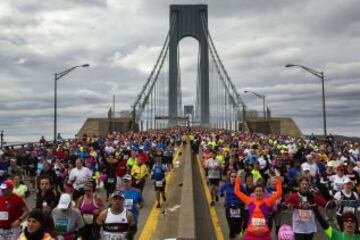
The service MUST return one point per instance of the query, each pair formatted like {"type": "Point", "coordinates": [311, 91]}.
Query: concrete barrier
{"type": "Point", "coordinates": [187, 229]}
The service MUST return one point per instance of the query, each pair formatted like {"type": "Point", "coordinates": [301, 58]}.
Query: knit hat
{"type": "Point", "coordinates": [38, 215]}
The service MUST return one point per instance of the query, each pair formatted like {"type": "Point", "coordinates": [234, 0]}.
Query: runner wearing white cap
{"type": "Point", "coordinates": [68, 221]}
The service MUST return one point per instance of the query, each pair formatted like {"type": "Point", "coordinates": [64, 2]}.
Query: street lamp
{"type": "Point", "coordinates": [56, 78]}
{"type": "Point", "coordinates": [259, 96]}
{"type": "Point", "coordinates": [320, 75]}
{"type": "Point", "coordinates": [1, 139]}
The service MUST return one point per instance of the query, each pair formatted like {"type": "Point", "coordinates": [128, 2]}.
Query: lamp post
{"type": "Point", "coordinates": [259, 96]}
{"type": "Point", "coordinates": [320, 75]}
{"type": "Point", "coordinates": [1, 139]}
{"type": "Point", "coordinates": [56, 78]}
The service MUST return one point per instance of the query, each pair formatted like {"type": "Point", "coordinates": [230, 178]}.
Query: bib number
{"type": "Point", "coordinates": [4, 216]}
{"type": "Point", "coordinates": [128, 204]}
{"type": "Point", "coordinates": [66, 237]}
{"type": "Point", "coordinates": [6, 234]}
{"type": "Point", "coordinates": [62, 225]}
{"type": "Point", "coordinates": [258, 222]}
{"type": "Point", "coordinates": [111, 180]}
{"type": "Point", "coordinates": [88, 218]}
{"type": "Point", "coordinates": [235, 213]}
{"type": "Point", "coordinates": [159, 183]}
{"type": "Point", "coordinates": [304, 215]}
{"type": "Point", "coordinates": [114, 236]}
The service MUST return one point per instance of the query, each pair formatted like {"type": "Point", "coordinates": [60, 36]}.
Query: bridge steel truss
{"type": "Point", "coordinates": [218, 104]}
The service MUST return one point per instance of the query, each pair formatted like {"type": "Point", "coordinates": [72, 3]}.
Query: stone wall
{"type": "Point", "coordinates": [277, 125]}
{"type": "Point", "coordinates": [102, 126]}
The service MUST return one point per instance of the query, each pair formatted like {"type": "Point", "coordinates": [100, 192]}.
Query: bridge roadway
{"type": "Point", "coordinates": [186, 214]}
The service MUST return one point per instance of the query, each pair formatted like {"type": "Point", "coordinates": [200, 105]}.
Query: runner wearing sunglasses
{"type": "Point", "coordinates": [349, 222]}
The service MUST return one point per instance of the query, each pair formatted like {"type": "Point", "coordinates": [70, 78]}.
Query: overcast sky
{"type": "Point", "coordinates": [121, 39]}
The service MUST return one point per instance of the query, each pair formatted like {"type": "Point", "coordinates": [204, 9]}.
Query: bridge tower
{"type": "Point", "coordinates": [188, 23]}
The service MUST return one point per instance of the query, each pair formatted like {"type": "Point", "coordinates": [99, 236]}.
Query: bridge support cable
{"type": "Point", "coordinates": [235, 98]}
{"type": "Point", "coordinates": [146, 97]}
{"type": "Point", "coordinates": [221, 84]}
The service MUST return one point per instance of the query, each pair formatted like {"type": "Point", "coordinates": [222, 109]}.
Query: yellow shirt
{"type": "Point", "coordinates": [139, 172]}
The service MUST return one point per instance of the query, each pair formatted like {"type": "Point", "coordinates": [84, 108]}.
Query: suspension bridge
{"type": "Point", "coordinates": [159, 104]}
{"type": "Point", "coordinates": [218, 104]}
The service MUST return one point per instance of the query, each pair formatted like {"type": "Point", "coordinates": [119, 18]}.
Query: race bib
{"type": "Point", "coordinates": [159, 183]}
{"type": "Point", "coordinates": [114, 236]}
{"type": "Point", "coordinates": [348, 209]}
{"type": "Point", "coordinates": [214, 174]}
{"type": "Point", "coordinates": [235, 213]}
{"type": "Point", "coordinates": [61, 225]}
{"type": "Point", "coordinates": [111, 180]}
{"type": "Point", "coordinates": [305, 215]}
{"type": "Point", "coordinates": [128, 204]}
{"type": "Point", "coordinates": [88, 218]}
{"type": "Point", "coordinates": [4, 216]}
{"type": "Point", "coordinates": [258, 222]}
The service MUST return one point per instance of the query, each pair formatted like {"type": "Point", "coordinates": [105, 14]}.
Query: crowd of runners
{"type": "Point", "coordinates": [260, 177]}
{"type": "Point", "coordinates": [66, 181]}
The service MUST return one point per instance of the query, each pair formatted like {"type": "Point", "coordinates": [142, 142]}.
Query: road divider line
{"type": "Point", "coordinates": [153, 218]}
{"type": "Point", "coordinates": [214, 218]}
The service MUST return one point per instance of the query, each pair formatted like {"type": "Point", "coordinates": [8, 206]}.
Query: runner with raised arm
{"type": "Point", "coordinates": [259, 210]}
{"type": "Point", "coordinates": [349, 222]}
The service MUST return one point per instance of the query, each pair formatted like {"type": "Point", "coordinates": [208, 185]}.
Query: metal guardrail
{"type": "Point", "coordinates": [29, 144]}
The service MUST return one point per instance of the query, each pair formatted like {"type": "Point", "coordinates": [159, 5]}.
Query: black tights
{"type": "Point", "coordinates": [304, 236]}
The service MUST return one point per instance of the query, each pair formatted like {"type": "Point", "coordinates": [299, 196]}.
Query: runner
{"type": "Point", "coordinates": [117, 222]}
{"type": "Point", "coordinates": [158, 175]}
{"type": "Point", "coordinates": [233, 206]}
{"type": "Point", "coordinates": [35, 229]}
{"type": "Point", "coordinates": [47, 198]}
{"type": "Point", "coordinates": [303, 221]}
{"type": "Point", "coordinates": [139, 172]}
{"type": "Point", "coordinates": [19, 187]}
{"type": "Point", "coordinates": [90, 205]}
{"type": "Point", "coordinates": [78, 176]}
{"type": "Point", "coordinates": [120, 173]}
{"type": "Point", "coordinates": [347, 201]}
{"type": "Point", "coordinates": [259, 210]}
{"type": "Point", "coordinates": [214, 170]}
{"type": "Point", "coordinates": [68, 221]}
{"type": "Point", "coordinates": [13, 211]}
{"type": "Point", "coordinates": [110, 171]}
{"type": "Point", "coordinates": [350, 223]}
{"type": "Point", "coordinates": [133, 198]}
